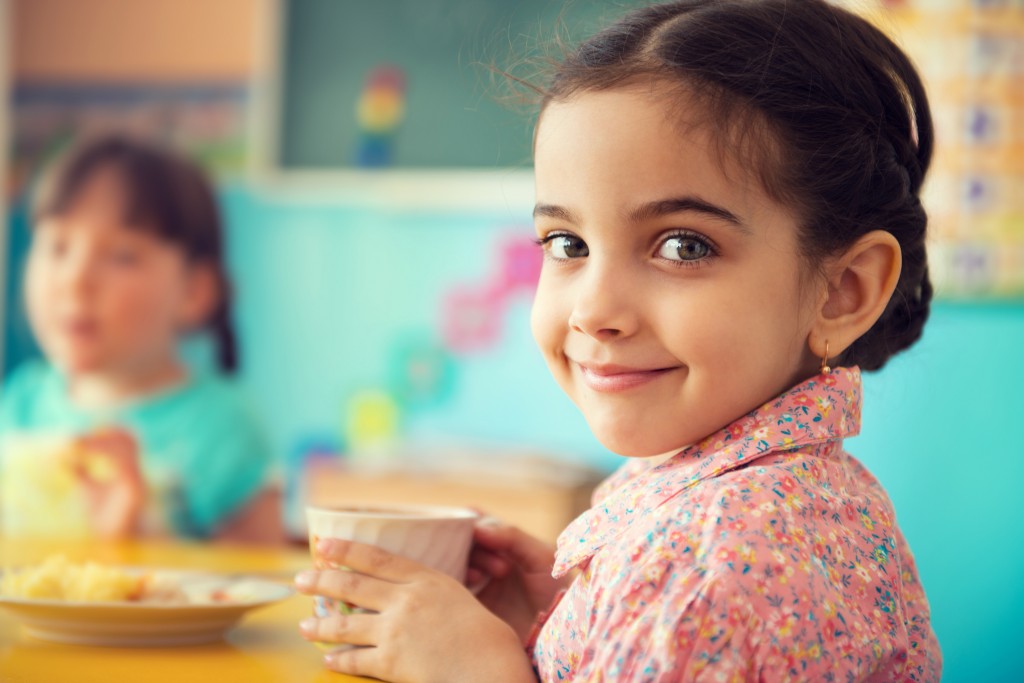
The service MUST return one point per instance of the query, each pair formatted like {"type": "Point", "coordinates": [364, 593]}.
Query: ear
{"type": "Point", "coordinates": [860, 283]}
{"type": "Point", "coordinates": [202, 293]}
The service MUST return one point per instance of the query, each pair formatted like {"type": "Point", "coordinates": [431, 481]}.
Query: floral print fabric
{"type": "Point", "coordinates": [763, 553]}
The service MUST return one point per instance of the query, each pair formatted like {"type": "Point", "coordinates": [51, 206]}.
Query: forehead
{"type": "Point", "coordinates": [100, 196]}
{"type": "Point", "coordinates": [630, 145]}
{"type": "Point", "coordinates": [99, 204]}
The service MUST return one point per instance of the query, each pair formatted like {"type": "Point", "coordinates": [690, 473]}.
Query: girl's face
{"type": "Point", "coordinates": [670, 301]}
{"type": "Point", "coordinates": [103, 296]}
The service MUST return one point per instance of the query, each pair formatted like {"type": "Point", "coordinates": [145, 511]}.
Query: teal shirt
{"type": "Point", "coordinates": [201, 445]}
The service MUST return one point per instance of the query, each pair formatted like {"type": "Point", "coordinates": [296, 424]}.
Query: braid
{"type": "Point", "coordinates": [223, 331]}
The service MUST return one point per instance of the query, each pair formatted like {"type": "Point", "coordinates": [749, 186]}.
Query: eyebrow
{"type": "Point", "coordinates": [655, 209]}
{"type": "Point", "coordinates": [552, 211]}
{"type": "Point", "coordinates": [665, 207]}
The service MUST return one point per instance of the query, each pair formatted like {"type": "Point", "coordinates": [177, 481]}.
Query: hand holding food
{"type": "Point", "coordinates": [106, 464]}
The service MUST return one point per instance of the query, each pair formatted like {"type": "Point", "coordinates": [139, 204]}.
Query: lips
{"type": "Point", "coordinates": [80, 328]}
{"type": "Point", "coordinates": [610, 378]}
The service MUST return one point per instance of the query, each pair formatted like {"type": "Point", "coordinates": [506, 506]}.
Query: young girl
{"type": "Point", "coordinates": [127, 255]}
{"type": "Point", "coordinates": [727, 198]}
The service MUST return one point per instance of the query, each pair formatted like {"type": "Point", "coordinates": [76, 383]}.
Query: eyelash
{"type": "Point", "coordinates": [678, 234]}
{"type": "Point", "coordinates": [547, 239]}
{"type": "Point", "coordinates": [697, 237]}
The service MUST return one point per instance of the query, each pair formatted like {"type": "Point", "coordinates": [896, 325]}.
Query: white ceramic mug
{"type": "Point", "coordinates": [436, 536]}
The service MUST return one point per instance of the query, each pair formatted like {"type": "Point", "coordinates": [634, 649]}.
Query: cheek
{"type": "Point", "coordinates": [147, 301]}
{"type": "Point", "coordinates": [38, 298]}
{"type": "Point", "coordinates": [767, 342]}
{"type": "Point", "coordinates": [732, 325]}
{"type": "Point", "coordinates": [548, 321]}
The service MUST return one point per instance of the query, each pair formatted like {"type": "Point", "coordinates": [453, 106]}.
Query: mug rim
{"type": "Point", "coordinates": [398, 511]}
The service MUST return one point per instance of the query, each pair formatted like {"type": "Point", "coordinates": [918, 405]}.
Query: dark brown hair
{"type": "Point", "coordinates": [167, 195]}
{"type": "Point", "coordinates": [831, 110]}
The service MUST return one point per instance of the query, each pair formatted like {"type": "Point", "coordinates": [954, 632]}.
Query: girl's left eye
{"type": "Point", "coordinates": [685, 249]}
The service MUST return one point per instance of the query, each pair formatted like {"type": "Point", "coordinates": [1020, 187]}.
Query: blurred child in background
{"type": "Point", "coordinates": [112, 434]}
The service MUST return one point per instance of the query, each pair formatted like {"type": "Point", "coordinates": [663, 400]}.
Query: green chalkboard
{"type": "Point", "coordinates": [451, 116]}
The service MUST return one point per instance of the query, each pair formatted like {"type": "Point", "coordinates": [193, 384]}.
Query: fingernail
{"type": "Point", "coordinates": [489, 522]}
{"type": "Point", "coordinates": [308, 625]}
{"type": "Point", "coordinates": [330, 659]}
{"type": "Point", "coordinates": [305, 580]}
{"type": "Point", "coordinates": [324, 546]}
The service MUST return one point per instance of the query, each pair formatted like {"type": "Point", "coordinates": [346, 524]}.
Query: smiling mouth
{"type": "Point", "coordinates": [80, 328]}
{"type": "Point", "coordinates": [614, 378]}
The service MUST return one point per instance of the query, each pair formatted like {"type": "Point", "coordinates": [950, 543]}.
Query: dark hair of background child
{"type": "Point", "coordinates": [831, 110]}
{"type": "Point", "coordinates": [167, 195]}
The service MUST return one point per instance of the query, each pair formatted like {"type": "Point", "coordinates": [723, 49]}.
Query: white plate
{"type": "Point", "coordinates": [142, 624]}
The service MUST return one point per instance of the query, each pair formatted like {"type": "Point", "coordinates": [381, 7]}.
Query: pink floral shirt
{"type": "Point", "coordinates": [763, 553]}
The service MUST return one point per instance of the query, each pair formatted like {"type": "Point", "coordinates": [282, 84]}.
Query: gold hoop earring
{"type": "Point", "coordinates": [825, 369]}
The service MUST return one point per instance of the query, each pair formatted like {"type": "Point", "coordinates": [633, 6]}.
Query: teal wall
{"type": "Point", "coordinates": [328, 292]}
{"type": "Point", "coordinates": [943, 430]}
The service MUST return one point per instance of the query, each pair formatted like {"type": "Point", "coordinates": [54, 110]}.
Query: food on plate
{"type": "Point", "coordinates": [59, 579]}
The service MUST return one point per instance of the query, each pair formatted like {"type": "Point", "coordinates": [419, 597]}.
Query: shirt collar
{"type": "Point", "coordinates": [819, 410]}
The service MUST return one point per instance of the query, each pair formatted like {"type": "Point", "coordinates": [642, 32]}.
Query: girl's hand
{"type": "Point", "coordinates": [518, 569]}
{"type": "Point", "coordinates": [106, 464]}
{"type": "Point", "coordinates": [429, 627]}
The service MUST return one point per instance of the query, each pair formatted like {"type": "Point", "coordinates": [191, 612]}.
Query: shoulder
{"type": "Point", "coordinates": [777, 522]}
{"type": "Point", "coordinates": [770, 559]}
{"type": "Point", "coordinates": [213, 411]}
{"type": "Point", "coordinates": [31, 374]}
{"type": "Point", "coordinates": [29, 387]}
{"type": "Point", "coordinates": [214, 399]}
{"type": "Point", "coordinates": [221, 394]}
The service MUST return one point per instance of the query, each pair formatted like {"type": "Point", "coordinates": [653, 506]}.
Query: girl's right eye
{"type": "Point", "coordinates": [563, 246]}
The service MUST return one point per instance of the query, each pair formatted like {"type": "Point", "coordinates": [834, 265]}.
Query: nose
{"type": "Point", "coordinates": [604, 307]}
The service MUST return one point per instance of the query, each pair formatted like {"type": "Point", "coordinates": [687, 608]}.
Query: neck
{"type": "Point", "coordinates": [656, 460]}
{"type": "Point", "coordinates": [110, 388]}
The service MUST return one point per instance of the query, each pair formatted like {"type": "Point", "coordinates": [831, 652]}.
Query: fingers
{"type": "Point", "coordinates": [116, 442]}
{"type": "Point", "coordinates": [474, 576]}
{"type": "Point", "coordinates": [531, 554]}
{"type": "Point", "coordinates": [351, 629]}
{"type": "Point", "coordinates": [105, 456]}
{"type": "Point", "coordinates": [366, 591]}
{"type": "Point", "coordinates": [487, 562]}
{"type": "Point", "coordinates": [369, 560]}
{"type": "Point", "coordinates": [356, 661]}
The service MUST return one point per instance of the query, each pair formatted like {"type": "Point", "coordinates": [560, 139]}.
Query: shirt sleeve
{"type": "Point", "coordinates": [661, 625]}
{"type": "Point", "coordinates": [229, 464]}
{"type": "Point", "coordinates": [671, 625]}
{"type": "Point", "coordinates": [17, 393]}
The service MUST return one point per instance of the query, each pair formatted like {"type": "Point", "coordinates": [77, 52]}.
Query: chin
{"type": "Point", "coordinates": [625, 443]}
{"type": "Point", "coordinates": [73, 363]}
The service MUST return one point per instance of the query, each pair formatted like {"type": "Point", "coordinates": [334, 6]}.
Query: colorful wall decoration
{"type": "Point", "coordinates": [205, 120]}
{"type": "Point", "coordinates": [379, 113]}
{"type": "Point", "coordinates": [971, 56]}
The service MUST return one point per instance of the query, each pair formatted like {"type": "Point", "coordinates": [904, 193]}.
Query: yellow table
{"type": "Point", "coordinates": [264, 647]}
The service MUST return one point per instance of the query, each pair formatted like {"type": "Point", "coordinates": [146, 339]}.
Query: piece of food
{"type": "Point", "coordinates": [59, 579]}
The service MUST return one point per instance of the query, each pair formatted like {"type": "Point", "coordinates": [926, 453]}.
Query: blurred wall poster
{"type": "Point", "coordinates": [971, 56]}
{"type": "Point", "coordinates": [205, 120]}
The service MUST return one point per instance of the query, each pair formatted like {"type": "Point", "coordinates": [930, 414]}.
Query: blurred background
{"type": "Point", "coordinates": [378, 203]}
